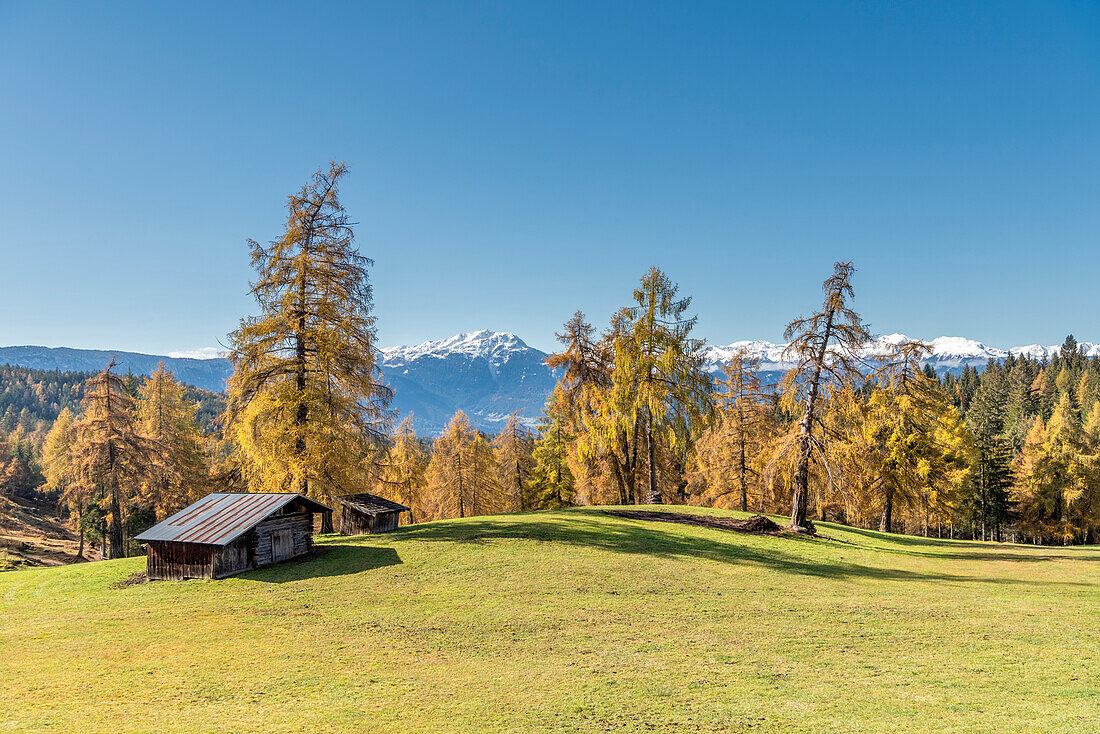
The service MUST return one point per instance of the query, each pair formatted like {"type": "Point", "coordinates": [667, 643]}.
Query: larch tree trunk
{"type": "Point", "coordinates": [653, 496]}
{"type": "Point", "coordinates": [887, 512]}
{"type": "Point", "coordinates": [742, 466]}
{"type": "Point", "coordinates": [80, 527]}
{"type": "Point", "coordinates": [800, 496]}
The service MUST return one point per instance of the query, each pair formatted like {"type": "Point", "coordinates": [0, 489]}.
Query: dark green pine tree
{"type": "Point", "coordinates": [1021, 403]}
{"type": "Point", "coordinates": [551, 482]}
{"type": "Point", "coordinates": [951, 387]}
{"type": "Point", "coordinates": [1071, 355]}
{"type": "Point", "coordinates": [986, 507]}
{"type": "Point", "coordinates": [968, 385]}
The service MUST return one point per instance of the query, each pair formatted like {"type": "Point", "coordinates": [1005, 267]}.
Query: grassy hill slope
{"type": "Point", "coordinates": [568, 621]}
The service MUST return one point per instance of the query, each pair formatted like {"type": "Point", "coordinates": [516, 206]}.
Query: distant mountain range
{"type": "Point", "coordinates": [486, 374]}
{"type": "Point", "coordinates": [949, 353]}
{"type": "Point", "coordinates": [209, 374]}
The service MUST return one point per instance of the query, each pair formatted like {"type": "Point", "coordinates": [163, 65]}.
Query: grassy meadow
{"type": "Point", "coordinates": [568, 621]}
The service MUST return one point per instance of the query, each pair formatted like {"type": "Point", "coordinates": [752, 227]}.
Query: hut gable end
{"type": "Point", "coordinates": [368, 513]}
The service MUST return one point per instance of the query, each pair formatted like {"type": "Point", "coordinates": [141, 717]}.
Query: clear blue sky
{"type": "Point", "coordinates": [514, 162]}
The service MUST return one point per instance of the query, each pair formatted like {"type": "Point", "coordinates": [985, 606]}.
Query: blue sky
{"type": "Point", "coordinates": [514, 162]}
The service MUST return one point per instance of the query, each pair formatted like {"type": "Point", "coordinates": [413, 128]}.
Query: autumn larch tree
{"type": "Point", "coordinates": [306, 403]}
{"type": "Point", "coordinates": [168, 417]}
{"type": "Point", "coordinates": [463, 473]}
{"type": "Point", "coordinates": [110, 457]}
{"type": "Point", "coordinates": [825, 348]}
{"type": "Point", "coordinates": [919, 436]}
{"type": "Point", "coordinates": [605, 444]}
{"type": "Point", "coordinates": [743, 418]}
{"type": "Point", "coordinates": [404, 470]}
{"type": "Point", "coordinates": [57, 462]}
{"type": "Point", "coordinates": [514, 447]}
{"type": "Point", "coordinates": [658, 382]}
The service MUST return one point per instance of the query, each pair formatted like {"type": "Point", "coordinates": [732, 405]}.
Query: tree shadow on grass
{"type": "Point", "coordinates": [324, 561]}
{"type": "Point", "coordinates": [658, 540]}
{"type": "Point", "coordinates": [981, 549]}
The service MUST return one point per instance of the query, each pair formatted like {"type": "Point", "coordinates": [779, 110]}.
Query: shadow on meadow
{"type": "Point", "coordinates": [642, 538]}
{"type": "Point", "coordinates": [974, 550]}
{"type": "Point", "coordinates": [337, 559]}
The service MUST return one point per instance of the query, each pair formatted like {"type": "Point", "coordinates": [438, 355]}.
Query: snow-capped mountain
{"type": "Point", "coordinates": [488, 375]}
{"type": "Point", "coordinates": [948, 354]}
{"type": "Point", "coordinates": [495, 346]}
{"type": "Point", "coordinates": [770, 355]}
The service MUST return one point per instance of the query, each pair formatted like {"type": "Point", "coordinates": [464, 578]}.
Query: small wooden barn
{"type": "Point", "coordinates": [368, 513]}
{"type": "Point", "coordinates": [227, 533]}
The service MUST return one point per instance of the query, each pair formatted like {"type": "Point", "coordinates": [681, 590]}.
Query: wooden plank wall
{"type": "Point", "coordinates": [387, 522]}
{"type": "Point", "coordinates": [238, 556]}
{"type": "Point", "coordinates": [300, 522]}
{"type": "Point", "coordinates": [175, 561]}
{"type": "Point", "coordinates": [359, 523]}
{"type": "Point", "coordinates": [353, 522]}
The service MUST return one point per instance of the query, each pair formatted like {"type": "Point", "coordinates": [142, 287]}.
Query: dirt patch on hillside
{"type": "Point", "coordinates": [31, 535]}
{"type": "Point", "coordinates": [757, 524]}
{"type": "Point", "coordinates": [134, 579]}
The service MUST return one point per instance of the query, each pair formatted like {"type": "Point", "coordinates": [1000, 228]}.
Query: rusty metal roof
{"type": "Point", "coordinates": [370, 504]}
{"type": "Point", "coordinates": [222, 517]}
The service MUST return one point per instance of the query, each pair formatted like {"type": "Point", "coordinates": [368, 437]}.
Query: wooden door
{"type": "Point", "coordinates": [282, 544]}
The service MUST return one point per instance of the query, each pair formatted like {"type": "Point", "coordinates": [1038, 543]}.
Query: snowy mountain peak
{"type": "Point", "coordinates": [1040, 351]}
{"type": "Point", "coordinates": [957, 346]}
{"type": "Point", "coordinates": [948, 352]}
{"type": "Point", "coordinates": [495, 346]}
{"type": "Point", "coordinates": [1036, 351]}
{"type": "Point", "coordinates": [770, 354]}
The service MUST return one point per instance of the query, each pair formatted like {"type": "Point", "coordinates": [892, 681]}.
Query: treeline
{"type": "Point", "coordinates": [30, 402]}
{"type": "Point", "coordinates": [1034, 430]}
{"type": "Point", "coordinates": [1011, 453]}
{"type": "Point", "coordinates": [32, 399]}
{"type": "Point", "coordinates": [883, 442]}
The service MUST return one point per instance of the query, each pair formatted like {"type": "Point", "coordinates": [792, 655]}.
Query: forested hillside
{"type": "Point", "coordinates": [209, 374]}
{"type": "Point", "coordinates": [30, 397]}
{"type": "Point", "coordinates": [31, 400]}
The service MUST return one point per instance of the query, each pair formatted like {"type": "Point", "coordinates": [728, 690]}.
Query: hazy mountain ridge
{"type": "Point", "coordinates": [209, 374]}
{"type": "Point", "coordinates": [486, 374]}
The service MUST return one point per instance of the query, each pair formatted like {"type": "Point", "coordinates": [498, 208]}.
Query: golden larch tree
{"type": "Point", "coordinates": [515, 446]}
{"type": "Point", "coordinates": [169, 418]}
{"type": "Point", "coordinates": [110, 458]}
{"type": "Point", "coordinates": [403, 475]}
{"type": "Point", "coordinates": [658, 383]}
{"type": "Point", "coordinates": [726, 458]}
{"type": "Point", "coordinates": [463, 473]}
{"type": "Point", "coordinates": [825, 348]}
{"type": "Point", "coordinates": [306, 403]}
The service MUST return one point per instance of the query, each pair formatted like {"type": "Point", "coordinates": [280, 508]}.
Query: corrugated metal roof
{"type": "Point", "coordinates": [370, 504]}
{"type": "Point", "coordinates": [222, 517]}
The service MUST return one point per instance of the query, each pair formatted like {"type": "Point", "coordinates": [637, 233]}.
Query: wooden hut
{"type": "Point", "coordinates": [227, 533]}
{"type": "Point", "coordinates": [361, 514]}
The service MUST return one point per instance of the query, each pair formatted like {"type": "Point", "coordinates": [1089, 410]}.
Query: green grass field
{"type": "Point", "coordinates": [568, 621]}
